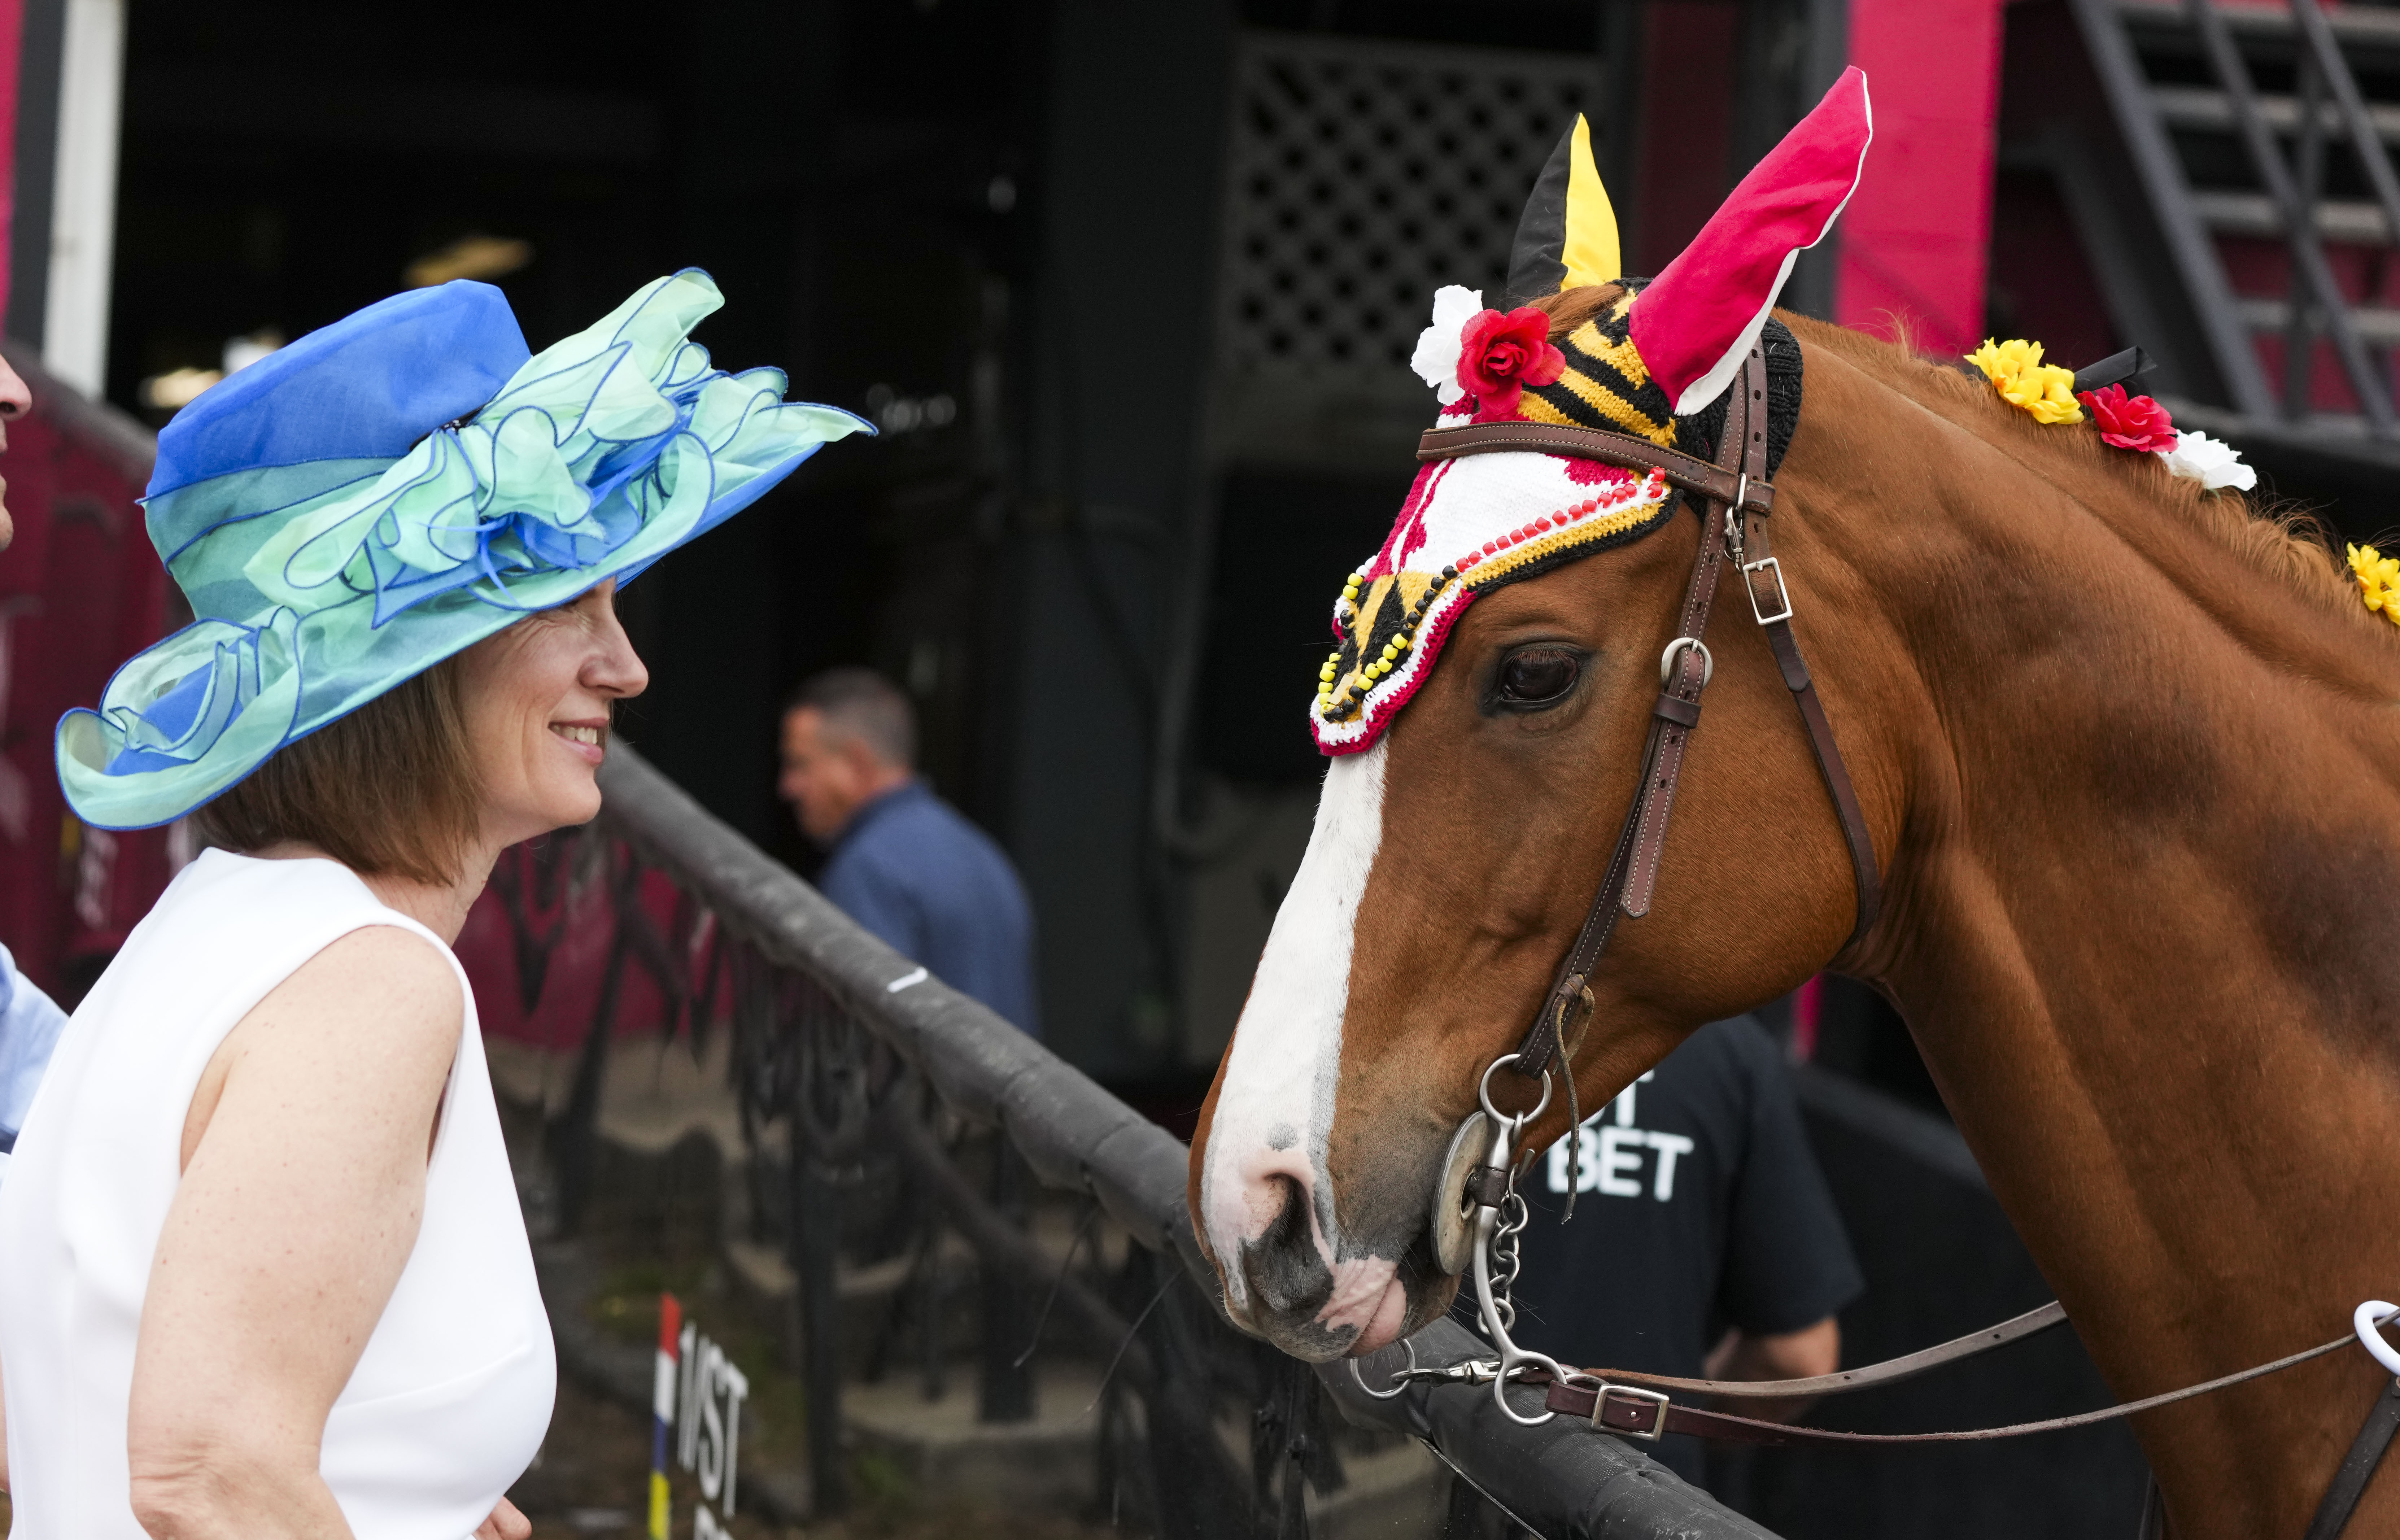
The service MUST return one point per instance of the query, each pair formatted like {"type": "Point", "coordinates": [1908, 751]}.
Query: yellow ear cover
{"type": "Point", "coordinates": [1590, 250]}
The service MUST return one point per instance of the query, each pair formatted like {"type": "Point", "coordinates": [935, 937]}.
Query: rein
{"type": "Point", "coordinates": [1478, 1211]}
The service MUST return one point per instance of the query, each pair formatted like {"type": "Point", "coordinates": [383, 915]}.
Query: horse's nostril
{"type": "Point", "coordinates": [1284, 1270]}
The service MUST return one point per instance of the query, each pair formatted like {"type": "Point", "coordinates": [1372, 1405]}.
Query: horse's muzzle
{"type": "Point", "coordinates": [1287, 1284]}
{"type": "Point", "coordinates": [1317, 1308]}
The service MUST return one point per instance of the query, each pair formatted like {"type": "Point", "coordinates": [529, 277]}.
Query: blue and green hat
{"type": "Point", "coordinates": [394, 488]}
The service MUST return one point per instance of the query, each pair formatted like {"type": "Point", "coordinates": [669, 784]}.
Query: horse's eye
{"type": "Point", "coordinates": [1537, 677]}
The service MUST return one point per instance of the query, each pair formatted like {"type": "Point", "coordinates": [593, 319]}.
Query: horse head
{"type": "Point", "coordinates": [1517, 611]}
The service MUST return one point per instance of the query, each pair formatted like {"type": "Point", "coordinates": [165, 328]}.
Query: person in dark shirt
{"type": "Point", "coordinates": [1704, 1242]}
{"type": "Point", "coordinates": [903, 862]}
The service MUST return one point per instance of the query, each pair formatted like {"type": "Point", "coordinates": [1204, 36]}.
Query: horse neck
{"type": "Point", "coordinates": [2138, 806]}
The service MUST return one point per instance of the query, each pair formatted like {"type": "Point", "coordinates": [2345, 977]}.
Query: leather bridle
{"type": "Point", "coordinates": [1735, 500]}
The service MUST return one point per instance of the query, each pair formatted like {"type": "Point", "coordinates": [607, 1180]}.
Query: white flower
{"type": "Point", "coordinates": [2213, 463]}
{"type": "Point", "coordinates": [1436, 359]}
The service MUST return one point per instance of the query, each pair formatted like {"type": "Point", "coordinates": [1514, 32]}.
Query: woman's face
{"type": "Point", "coordinates": [537, 699]}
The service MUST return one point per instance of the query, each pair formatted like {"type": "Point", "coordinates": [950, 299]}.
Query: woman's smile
{"type": "Point", "coordinates": [588, 738]}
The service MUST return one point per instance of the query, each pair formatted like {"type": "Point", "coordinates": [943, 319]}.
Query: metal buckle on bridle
{"type": "Point", "coordinates": [1782, 595]}
{"type": "Point", "coordinates": [1652, 1407]}
{"type": "Point", "coordinates": [1667, 660]}
{"type": "Point", "coordinates": [1736, 524]}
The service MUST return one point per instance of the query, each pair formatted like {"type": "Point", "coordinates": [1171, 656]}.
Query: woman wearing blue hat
{"type": "Point", "coordinates": [265, 1272]}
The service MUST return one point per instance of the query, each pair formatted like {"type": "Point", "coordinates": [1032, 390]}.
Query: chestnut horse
{"type": "Point", "coordinates": [2131, 758]}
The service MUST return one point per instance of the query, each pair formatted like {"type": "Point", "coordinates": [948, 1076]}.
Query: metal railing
{"type": "Point", "coordinates": [862, 1063]}
{"type": "Point", "coordinates": [2284, 87]}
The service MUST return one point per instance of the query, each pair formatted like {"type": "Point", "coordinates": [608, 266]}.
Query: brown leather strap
{"type": "Point", "coordinates": [1646, 1414]}
{"type": "Point", "coordinates": [1633, 867]}
{"type": "Point", "coordinates": [1865, 877]}
{"type": "Point", "coordinates": [1721, 482]}
{"type": "Point", "coordinates": [1677, 713]}
{"type": "Point", "coordinates": [1632, 872]}
{"type": "Point", "coordinates": [1891, 1372]}
{"type": "Point", "coordinates": [1744, 435]}
{"type": "Point", "coordinates": [2357, 1467]}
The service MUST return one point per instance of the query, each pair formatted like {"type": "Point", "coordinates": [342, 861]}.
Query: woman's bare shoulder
{"type": "Point", "coordinates": [380, 980]}
{"type": "Point", "coordinates": [361, 1033]}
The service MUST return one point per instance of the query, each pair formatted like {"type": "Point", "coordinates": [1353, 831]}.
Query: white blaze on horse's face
{"type": "Point", "coordinates": [1266, 1200]}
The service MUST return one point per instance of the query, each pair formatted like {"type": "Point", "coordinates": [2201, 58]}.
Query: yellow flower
{"type": "Point", "coordinates": [2378, 580]}
{"type": "Point", "coordinates": [2015, 368]}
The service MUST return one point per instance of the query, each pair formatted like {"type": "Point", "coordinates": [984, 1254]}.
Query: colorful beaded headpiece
{"type": "Point", "coordinates": [1654, 363]}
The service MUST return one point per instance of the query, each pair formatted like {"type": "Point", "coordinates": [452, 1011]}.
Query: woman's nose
{"type": "Point", "coordinates": [16, 400]}
{"type": "Point", "coordinates": [619, 669]}
{"type": "Point", "coordinates": [615, 668]}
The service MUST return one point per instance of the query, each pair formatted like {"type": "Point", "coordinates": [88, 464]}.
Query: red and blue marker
{"type": "Point", "coordinates": [663, 1409]}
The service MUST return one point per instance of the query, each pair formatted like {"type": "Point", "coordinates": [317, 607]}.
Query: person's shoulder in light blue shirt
{"type": "Point", "coordinates": [913, 870]}
{"type": "Point", "coordinates": [30, 1026]}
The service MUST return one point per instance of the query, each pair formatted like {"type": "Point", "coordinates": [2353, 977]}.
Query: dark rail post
{"type": "Point", "coordinates": [1005, 1386]}
{"type": "Point", "coordinates": [574, 1135]}
{"type": "Point", "coordinates": [816, 1234]}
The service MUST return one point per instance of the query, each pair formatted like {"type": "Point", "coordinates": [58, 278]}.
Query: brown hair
{"type": "Point", "coordinates": [389, 790]}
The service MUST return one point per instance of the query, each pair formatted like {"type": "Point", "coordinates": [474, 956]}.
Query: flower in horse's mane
{"type": "Point", "coordinates": [1501, 355]}
{"type": "Point", "coordinates": [1438, 345]}
{"type": "Point", "coordinates": [2214, 463]}
{"type": "Point", "coordinates": [2134, 422]}
{"type": "Point", "coordinates": [2378, 580]}
{"type": "Point", "coordinates": [2043, 390]}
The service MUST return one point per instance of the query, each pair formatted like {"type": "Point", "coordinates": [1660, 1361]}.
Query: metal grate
{"type": "Point", "coordinates": [1360, 177]}
{"type": "Point", "coordinates": [867, 1069]}
{"type": "Point", "coordinates": [2261, 137]}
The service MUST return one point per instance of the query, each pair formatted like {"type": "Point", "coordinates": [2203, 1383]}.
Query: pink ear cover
{"type": "Point", "coordinates": [1696, 321]}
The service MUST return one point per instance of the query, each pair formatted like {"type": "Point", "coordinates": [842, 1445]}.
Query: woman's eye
{"type": "Point", "coordinates": [1537, 677]}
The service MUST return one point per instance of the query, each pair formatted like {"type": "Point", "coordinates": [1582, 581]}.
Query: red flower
{"type": "Point", "coordinates": [2137, 423]}
{"type": "Point", "coordinates": [1500, 355]}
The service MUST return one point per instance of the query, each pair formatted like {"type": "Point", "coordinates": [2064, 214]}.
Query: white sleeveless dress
{"type": "Point", "coordinates": [451, 1399]}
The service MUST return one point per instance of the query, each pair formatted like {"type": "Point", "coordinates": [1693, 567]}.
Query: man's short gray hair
{"type": "Point", "coordinates": [861, 704]}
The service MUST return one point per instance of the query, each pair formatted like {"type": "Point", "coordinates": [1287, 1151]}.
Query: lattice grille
{"type": "Point", "coordinates": [1361, 177]}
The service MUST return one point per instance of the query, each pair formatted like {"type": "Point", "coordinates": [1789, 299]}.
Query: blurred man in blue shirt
{"type": "Point", "coordinates": [902, 862]}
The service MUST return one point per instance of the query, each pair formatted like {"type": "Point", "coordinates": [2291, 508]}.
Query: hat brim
{"type": "Point", "coordinates": [163, 791]}
{"type": "Point", "coordinates": [565, 480]}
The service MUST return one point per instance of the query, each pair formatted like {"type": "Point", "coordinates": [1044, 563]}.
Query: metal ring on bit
{"type": "Point", "coordinates": [1402, 1388]}
{"type": "Point", "coordinates": [1483, 1095]}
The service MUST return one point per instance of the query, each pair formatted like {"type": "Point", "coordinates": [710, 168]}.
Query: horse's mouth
{"type": "Point", "coordinates": [1387, 1322]}
{"type": "Point", "coordinates": [1357, 1306]}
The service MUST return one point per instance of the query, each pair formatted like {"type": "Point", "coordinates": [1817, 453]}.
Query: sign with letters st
{"type": "Point", "coordinates": [696, 1400]}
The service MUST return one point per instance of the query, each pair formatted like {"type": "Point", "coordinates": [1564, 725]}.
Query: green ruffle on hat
{"type": "Point", "coordinates": [396, 487]}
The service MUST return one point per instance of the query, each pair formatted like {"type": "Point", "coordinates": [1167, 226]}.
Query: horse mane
{"type": "Point", "coordinates": [2283, 542]}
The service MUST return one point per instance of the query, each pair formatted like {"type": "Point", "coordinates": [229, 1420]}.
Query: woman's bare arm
{"type": "Point", "coordinates": [302, 1188]}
